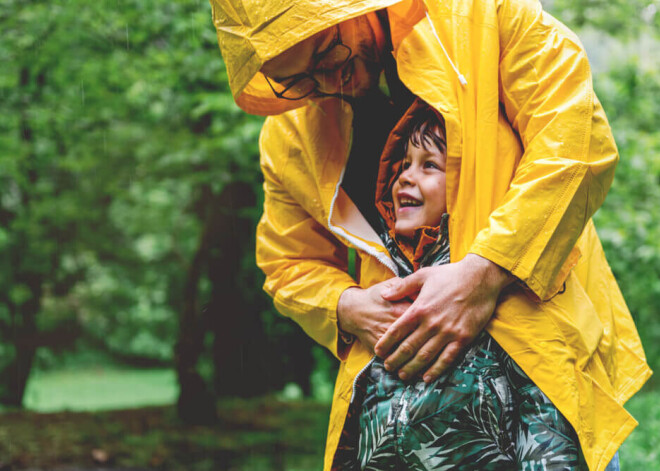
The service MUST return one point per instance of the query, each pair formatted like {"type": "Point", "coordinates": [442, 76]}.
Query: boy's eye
{"type": "Point", "coordinates": [405, 165]}
{"type": "Point", "coordinates": [431, 164]}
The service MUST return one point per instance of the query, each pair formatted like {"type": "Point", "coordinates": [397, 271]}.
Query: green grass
{"type": "Point", "coordinates": [102, 388]}
{"type": "Point", "coordinates": [264, 434]}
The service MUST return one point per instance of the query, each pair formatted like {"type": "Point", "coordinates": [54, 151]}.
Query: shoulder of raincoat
{"type": "Point", "coordinates": [530, 158]}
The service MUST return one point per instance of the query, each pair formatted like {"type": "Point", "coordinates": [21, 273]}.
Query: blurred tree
{"type": "Point", "coordinates": [620, 18]}
{"type": "Point", "coordinates": [42, 203]}
{"type": "Point", "coordinates": [128, 198]}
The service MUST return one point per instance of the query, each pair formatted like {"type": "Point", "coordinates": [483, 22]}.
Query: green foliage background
{"type": "Point", "coordinates": [116, 122]}
{"type": "Point", "coordinates": [130, 120]}
{"type": "Point", "coordinates": [118, 137]}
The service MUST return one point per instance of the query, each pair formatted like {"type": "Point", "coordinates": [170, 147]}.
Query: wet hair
{"type": "Point", "coordinates": [422, 129]}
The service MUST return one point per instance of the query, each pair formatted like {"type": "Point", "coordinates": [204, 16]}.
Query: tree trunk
{"type": "Point", "coordinates": [196, 405]}
{"type": "Point", "coordinates": [246, 362]}
{"type": "Point", "coordinates": [22, 329]}
{"type": "Point", "coordinates": [15, 375]}
{"type": "Point", "coordinates": [240, 348]}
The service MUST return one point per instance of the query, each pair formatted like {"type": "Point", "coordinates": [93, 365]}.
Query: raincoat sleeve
{"type": "Point", "coordinates": [569, 151]}
{"type": "Point", "coordinates": [306, 267]}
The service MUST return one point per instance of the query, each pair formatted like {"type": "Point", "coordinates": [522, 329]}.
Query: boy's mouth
{"type": "Point", "coordinates": [407, 201]}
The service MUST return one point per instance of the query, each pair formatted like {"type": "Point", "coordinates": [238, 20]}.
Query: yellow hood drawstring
{"type": "Point", "coordinates": [461, 78]}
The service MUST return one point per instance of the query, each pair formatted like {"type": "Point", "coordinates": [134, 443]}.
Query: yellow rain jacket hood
{"type": "Point", "coordinates": [530, 157]}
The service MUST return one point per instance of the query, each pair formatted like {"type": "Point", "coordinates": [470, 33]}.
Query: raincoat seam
{"type": "Point", "coordinates": [630, 387]}
{"type": "Point", "coordinates": [487, 251]}
{"type": "Point", "coordinates": [626, 429]}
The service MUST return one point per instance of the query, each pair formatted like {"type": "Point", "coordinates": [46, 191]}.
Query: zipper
{"type": "Point", "coordinates": [357, 376]}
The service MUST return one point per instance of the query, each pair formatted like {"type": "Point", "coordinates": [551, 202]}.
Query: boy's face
{"type": "Point", "coordinates": [419, 193]}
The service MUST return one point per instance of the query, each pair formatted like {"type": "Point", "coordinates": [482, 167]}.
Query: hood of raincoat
{"type": "Point", "coordinates": [251, 32]}
{"type": "Point", "coordinates": [417, 249]}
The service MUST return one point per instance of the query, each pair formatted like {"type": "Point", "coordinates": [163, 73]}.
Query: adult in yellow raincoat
{"type": "Point", "coordinates": [530, 158]}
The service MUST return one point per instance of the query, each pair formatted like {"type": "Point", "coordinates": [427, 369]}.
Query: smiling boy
{"type": "Point", "coordinates": [419, 193]}
{"type": "Point", "coordinates": [484, 413]}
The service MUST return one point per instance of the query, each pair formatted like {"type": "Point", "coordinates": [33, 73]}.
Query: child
{"type": "Point", "coordinates": [483, 413]}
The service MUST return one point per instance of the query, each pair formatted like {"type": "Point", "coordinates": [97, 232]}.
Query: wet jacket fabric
{"type": "Point", "coordinates": [530, 158]}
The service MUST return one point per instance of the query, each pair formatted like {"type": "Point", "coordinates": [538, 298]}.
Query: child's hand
{"type": "Point", "coordinates": [454, 304]}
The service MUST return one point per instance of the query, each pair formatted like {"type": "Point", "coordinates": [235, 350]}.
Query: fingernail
{"type": "Point", "coordinates": [427, 379]}
{"type": "Point", "coordinates": [403, 376]}
{"type": "Point", "coordinates": [388, 367]}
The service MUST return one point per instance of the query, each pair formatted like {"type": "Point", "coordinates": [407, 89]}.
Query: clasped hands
{"type": "Point", "coordinates": [420, 324]}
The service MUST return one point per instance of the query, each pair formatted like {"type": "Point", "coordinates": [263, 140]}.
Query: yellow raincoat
{"type": "Point", "coordinates": [530, 158]}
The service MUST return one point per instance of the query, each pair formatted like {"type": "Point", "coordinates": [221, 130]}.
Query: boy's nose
{"type": "Point", "coordinates": [406, 177]}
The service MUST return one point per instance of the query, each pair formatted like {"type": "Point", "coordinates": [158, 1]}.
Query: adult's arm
{"type": "Point", "coordinates": [563, 177]}
{"type": "Point", "coordinates": [305, 265]}
{"type": "Point", "coordinates": [570, 155]}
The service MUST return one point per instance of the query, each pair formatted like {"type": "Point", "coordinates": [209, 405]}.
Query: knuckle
{"type": "Point", "coordinates": [448, 357]}
{"type": "Point", "coordinates": [393, 335]}
{"type": "Point", "coordinates": [425, 356]}
{"type": "Point", "coordinates": [423, 309]}
{"type": "Point", "coordinates": [413, 314]}
{"type": "Point", "coordinates": [394, 283]}
{"type": "Point", "coordinates": [458, 345]}
{"type": "Point", "coordinates": [451, 352]}
{"type": "Point", "coordinates": [461, 334]}
{"type": "Point", "coordinates": [435, 324]}
{"type": "Point", "coordinates": [399, 309]}
{"type": "Point", "coordinates": [441, 364]}
{"type": "Point", "coordinates": [406, 349]}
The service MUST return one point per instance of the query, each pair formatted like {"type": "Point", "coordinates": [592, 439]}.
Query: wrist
{"type": "Point", "coordinates": [344, 309]}
{"type": "Point", "coordinates": [492, 273]}
{"type": "Point", "coordinates": [345, 338]}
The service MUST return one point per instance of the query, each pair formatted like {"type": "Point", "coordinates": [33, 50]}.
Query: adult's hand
{"type": "Point", "coordinates": [455, 302]}
{"type": "Point", "coordinates": [366, 314]}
